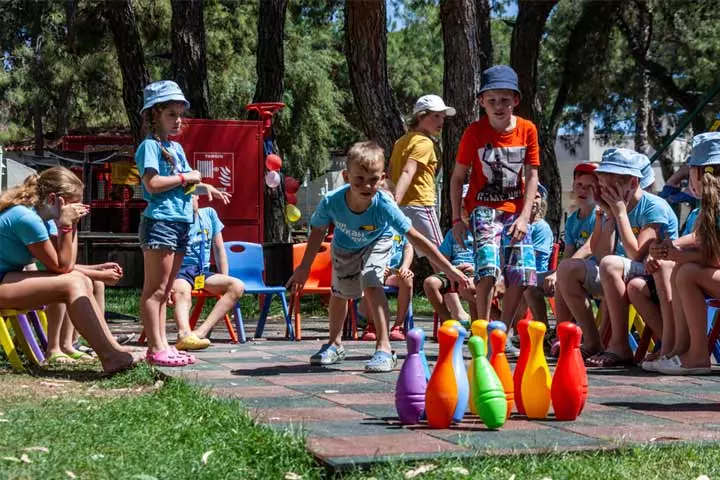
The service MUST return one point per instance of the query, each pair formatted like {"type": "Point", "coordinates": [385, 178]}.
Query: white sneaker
{"type": "Point", "coordinates": [651, 365]}
{"type": "Point", "coordinates": [673, 366]}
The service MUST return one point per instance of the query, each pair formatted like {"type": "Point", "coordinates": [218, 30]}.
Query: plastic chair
{"type": "Point", "coordinates": [24, 337]}
{"type": "Point", "coordinates": [350, 329]}
{"type": "Point", "coordinates": [713, 328]}
{"type": "Point", "coordinates": [645, 341]}
{"type": "Point", "coordinates": [247, 263]}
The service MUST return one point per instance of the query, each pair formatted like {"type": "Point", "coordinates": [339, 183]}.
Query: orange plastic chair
{"type": "Point", "coordinates": [318, 283]}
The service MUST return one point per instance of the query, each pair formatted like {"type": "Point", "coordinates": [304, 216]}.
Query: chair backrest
{"type": "Point", "coordinates": [245, 260]}
{"type": "Point", "coordinates": [554, 256]}
{"type": "Point", "coordinates": [321, 269]}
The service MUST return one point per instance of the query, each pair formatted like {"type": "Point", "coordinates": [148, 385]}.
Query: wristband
{"type": "Point", "coordinates": [457, 220]}
{"type": "Point", "coordinates": [66, 229]}
{"type": "Point", "coordinates": [182, 179]}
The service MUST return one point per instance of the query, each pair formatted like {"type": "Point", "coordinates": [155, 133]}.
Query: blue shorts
{"type": "Point", "coordinates": [190, 272]}
{"type": "Point", "coordinates": [163, 235]}
{"type": "Point", "coordinates": [495, 253]}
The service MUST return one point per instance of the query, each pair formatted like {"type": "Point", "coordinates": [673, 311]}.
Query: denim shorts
{"type": "Point", "coordinates": [163, 235]}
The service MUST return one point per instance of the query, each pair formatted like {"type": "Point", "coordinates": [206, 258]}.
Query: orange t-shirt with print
{"type": "Point", "coordinates": [496, 160]}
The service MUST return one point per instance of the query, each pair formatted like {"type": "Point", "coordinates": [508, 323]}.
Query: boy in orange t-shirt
{"type": "Point", "coordinates": [496, 149]}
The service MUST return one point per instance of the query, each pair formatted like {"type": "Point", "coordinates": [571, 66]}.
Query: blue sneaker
{"type": "Point", "coordinates": [381, 362]}
{"type": "Point", "coordinates": [511, 351]}
{"type": "Point", "coordinates": [327, 355]}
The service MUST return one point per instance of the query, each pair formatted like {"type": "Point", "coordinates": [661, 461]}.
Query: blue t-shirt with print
{"type": "Point", "coordinates": [172, 205]}
{"type": "Point", "coordinates": [398, 247]}
{"type": "Point", "coordinates": [456, 253]}
{"type": "Point", "coordinates": [355, 231]}
{"type": "Point", "coordinates": [542, 239]}
{"type": "Point", "coordinates": [578, 230]}
{"type": "Point", "coordinates": [649, 210]}
{"type": "Point", "coordinates": [202, 231]}
{"type": "Point", "coordinates": [20, 226]}
{"type": "Point", "coordinates": [690, 221]}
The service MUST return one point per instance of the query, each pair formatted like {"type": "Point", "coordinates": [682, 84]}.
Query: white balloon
{"type": "Point", "coordinates": [272, 179]}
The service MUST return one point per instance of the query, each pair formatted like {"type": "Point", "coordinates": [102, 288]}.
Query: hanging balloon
{"type": "Point", "coordinates": [291, 198]}
{"type": "Point", "coordinates": [272, 179]}
{"type": "Point", "coordinates": [292, 185]}
{"type": "Point", "coordinates": [292, 213]}
{"type": "Point", "coordinates": [273, 162]}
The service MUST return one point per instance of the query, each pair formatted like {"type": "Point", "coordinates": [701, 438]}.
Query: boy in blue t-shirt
{"type": "Point", "coordinates": [397, 274]}
{"type": "Point", "coordinates": [361, 250]}
{"type": "Point", "coordinates": [630, 220]}
{"type": "Point", "coordinates": [204, 237]}
{"type": "Point", "coordinates": [543, 239]}
{"type": "Point", "coordinates": [444, 299]}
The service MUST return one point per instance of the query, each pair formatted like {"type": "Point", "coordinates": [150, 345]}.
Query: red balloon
{"type": "Point", "coordinates": [291, 198]}
{"type": "Point", "coordinates": [292, 185]}
{"type": "Point", "coordinates": [273, 162]}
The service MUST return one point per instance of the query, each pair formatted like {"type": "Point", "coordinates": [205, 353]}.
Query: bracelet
{"type": "Point", "coordinates": [182, 179]}
{"type": "Point", "coordinates": [456, 221]}
{"type": "Point", "coordinates": [66, 229]}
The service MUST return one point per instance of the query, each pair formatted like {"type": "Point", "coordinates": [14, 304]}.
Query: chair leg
{"type": "Point", "coordinates": [230, 329]}
{"type": "Point", "coordinates": [296, 311]}
{"type": "Point", "coordinates": [9, 347]}
{"type": "Point", "coordinates": [263, 316]}
{"type": "Point", "coordinates": [714, 329]}
{"type": "Point", "coordinates": [196, 312]}
{"type": "Point", "coordinates": [34, 317]}
{"type": "Point", "coordinates": [642, 348]}
{"type": "Point", "coordinates": [436, 321]}
{"type": "Point", "coordinates": [26, 339]}
{"type": "Point", "coordinates": [239, 323]}
{"type": "Point", "coordinates": [290, 332]}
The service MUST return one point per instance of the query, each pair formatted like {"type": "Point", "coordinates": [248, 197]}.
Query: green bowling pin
{"type": "Point", "coordinates": [487, 390]}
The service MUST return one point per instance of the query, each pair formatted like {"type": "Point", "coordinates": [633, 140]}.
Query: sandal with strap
{"type": "Point", "coordinates": [60, 359]}
{"type": "Point", "coordinates": [166, 358]}
{"type": "Point", "coordinates": [586, 353]}
{"type": "Point", "coordinates": [609, 360]}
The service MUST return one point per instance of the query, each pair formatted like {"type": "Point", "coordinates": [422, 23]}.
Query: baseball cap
{"type": "Point", "coordinates": [705, 149]}
{"type": "Point", "coordinates": [585, 167]}
{"type": "Point", "coordinates": [620, 161]}
{"type": "Point", "coordinates": [499, 77]}
{"type": "Point", "coordinates": [161, 92]}
{"type": "Point", "coordinates": [432, 103]}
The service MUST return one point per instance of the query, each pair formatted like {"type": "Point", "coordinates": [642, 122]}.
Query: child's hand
{"type": "Point", "coordinates": [456, 276]}
{"type": "Point", "coordinates": [171, 298]}
{"type": "Point", "coordinates": [549, 284]}
{"type": "Point", "coordinates": [214, 193]}
{"type": "Point", "coordinates": [652, 264]}
{"type": "Point", "coordinates": [110, 276]}
{"type": "Point", "coordinates": [467, 268]}
{"type": "Point", "coordinates": [192, 178]}
{"type": "Point", "coordinates": [518, 229]}
{"type": "Point", "coordinates": [70, 213]}
{"type": "Point", "coordinates": [597, 195]}
{"type": "Point", "coordinates": [405, 273]}
{"type": "Point", "coordinates": [614, 199]}
{"type": "Point", "coordinates": [298, 279]}
{"type": "Point", "coordinates": [459, 231]}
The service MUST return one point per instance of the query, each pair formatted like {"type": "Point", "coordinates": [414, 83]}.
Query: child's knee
{"type": "Point", "coordinates": [78, 284]}
{"type": "Point", "coordinates": [236, 288]}
{"type": "Point", "coordinates": [612, 266]}
{"type": "Point", "coordinates": [686, 273]}
{"type": "Point", "coordinates": [636, 289]}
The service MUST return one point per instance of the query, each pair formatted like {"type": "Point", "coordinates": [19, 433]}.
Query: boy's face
{"type": "Point", "coordinates": [583, 185]}
{"type": "Point", "coordinates": [537, 201]}
{"type": "Point", "coordinates": [365, 179]}
{"type": "Point", "coordinates": [433, 122]}
{"type": "Point", "coordinates": [626, 184]}
{"type": "Point", "coordinates": [499, 104]}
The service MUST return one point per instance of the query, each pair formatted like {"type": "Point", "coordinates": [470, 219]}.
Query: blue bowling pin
{"type": "Point", "coordinates": [423, 357]}
{"type": "Point", "coordinates": [461, 377]}
{"type": "Point", "coordinates": [492, 326]}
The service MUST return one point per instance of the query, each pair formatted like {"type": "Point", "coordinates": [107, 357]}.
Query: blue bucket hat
{"type": "Point", "coordinates": [705, 149]}
{"type": "Point", "coordinates": [163, 91]}
{"type": "Point", "coordinates": [648, 174]}
{"type": "Point", "coordinates": [542, 191]}
{"type": "Point", "coordinates": [620, 161]}
{"type": "Point", "coordinates": [499, 77]}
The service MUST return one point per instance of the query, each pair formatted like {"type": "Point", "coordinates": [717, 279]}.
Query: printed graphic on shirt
{"type": "Point", "coordinates": [502, 166]}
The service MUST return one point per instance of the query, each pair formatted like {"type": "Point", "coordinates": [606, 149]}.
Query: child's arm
{"type": "Point", "coordinates": [300, 275]}
{"type": "Point", "coordinates": [407, 258]}
{"type": "Point", "coordinates": [156, 183]}
{"type": "Point", "coordinates": [419, 241]}
{"type": "Point", "coordinates": [221, 260]}
{"type": "Point", "coordinates": [456, 183]}
{"type": "Point", "coordinates": [406, 176]}
{"type": "Point", "coordinates": [519, 227]}
{"type": "Point", "coordinates": [109, 276]}
{"type": "Point", "coordinates": [212, 193]}
{"type": "Point", "coordinates": [583, 252]}
{"type": "Point", "coordinates": [603, 237]}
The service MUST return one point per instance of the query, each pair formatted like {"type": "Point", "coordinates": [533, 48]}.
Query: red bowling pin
{"type": "Point", "coordinates": [441, 397]}
{"type": "Point", "coordinates": [522, 329]}
{"type": "Point", "coordinates": [569, 385]}
{"type": "Point", "coordinates": [500, 364]}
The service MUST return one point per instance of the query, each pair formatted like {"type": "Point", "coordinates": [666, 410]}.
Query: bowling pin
{"type": "Point", "coordinates": [411, 383]}
{"type": "Point", "coordinates": [478, 328]}
{"type": "Point", "coordinates": [421, 352]}
{"type": "Point", "coordinates": [495, 324]}
{"type": "Point", "coordinates": [536, 380]}
{"type": "Point", "coordinates": [451, 323]}
{"type": "Point", "coordinates": [488, 393]}
{"type": "Point", "coordinates": [522, 329]}
{"type": "Point", "coordinates": [501, 366]}
{"type": "Point", "coordinates": [442, 394]}
{"type": "Point", "coordinates": [463, 385]}
{"type": "Point", "coordinates": [569, 383]}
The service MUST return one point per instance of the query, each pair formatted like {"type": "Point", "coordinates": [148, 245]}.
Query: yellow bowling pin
{"type": "Point", "coordinates": [478, 329]}
{"type": "Point", "coordinates": [536, 380]}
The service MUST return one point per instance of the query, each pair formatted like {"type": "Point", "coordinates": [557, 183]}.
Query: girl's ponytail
{"type": "Point", "coordinates": [36, 188]}
{"type": "Point", "coordinates": [707, 229]}
{"type": "Point", "coordinates": [23, 194]}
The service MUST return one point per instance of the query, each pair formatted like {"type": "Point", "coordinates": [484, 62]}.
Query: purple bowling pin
{"type": "Point", "coordinates": [492, 326]}
{"type": "Point", "coordinates": [411, 383]}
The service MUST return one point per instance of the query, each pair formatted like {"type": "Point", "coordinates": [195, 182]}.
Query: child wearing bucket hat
{"type": "Point", "coordinates": [696, 275]}
{"type": "Point", "coordinates": [628, 221]}
{"type": "Point", "coordinates": [501, 151]}
{"type": "Point", "coordinates": [167, 182]}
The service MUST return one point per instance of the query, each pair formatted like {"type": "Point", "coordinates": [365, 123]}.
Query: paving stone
{"type": "Point", "coordinates": [306, 414]}
{"type": "Point", "coordinates": [541, 437]}
{"type": "Point", "coordinates": [373, 445]}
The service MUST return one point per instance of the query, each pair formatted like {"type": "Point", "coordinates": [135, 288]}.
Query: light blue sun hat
{"type": "Point", "coordinates": [705, 149]}
{"type": "Point", "coordinates": [620, 161]}
{"type": "Point", "coordinates": [161, 92]}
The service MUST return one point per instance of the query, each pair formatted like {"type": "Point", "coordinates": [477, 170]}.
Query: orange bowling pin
{"type": "Point", "coordinates": [501, 366]}
{"type": "Point", "coordinates": [522, 329]}
{"type": "Point", "coordinates": [569, 384]}
{"type": "Point", "coordinates": [536, 380]}
{"type": "Point", "coordinates": [478, 328]}
{"type": "Point", "coordinates": [441, 396]}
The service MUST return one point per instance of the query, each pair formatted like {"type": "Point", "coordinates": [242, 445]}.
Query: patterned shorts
{"type": "Point", "coordinates": [495, 254]}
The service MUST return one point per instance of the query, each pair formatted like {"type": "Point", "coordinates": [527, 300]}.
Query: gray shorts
{"type": "Point", "coordinates": [354, 271]}
{"type": "Point", "coordinates": [592, 283]}
{"type": "Point", "coordinates": [632, 269]}
{"type": "Point", "coordinates": [424, 220]}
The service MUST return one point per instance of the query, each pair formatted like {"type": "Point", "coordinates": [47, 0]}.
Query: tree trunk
{"type": "Point", "coordinates": [270, 64]}
{"type": "Point", "coordinates": [189, 60]}
{"type": "Point", "coordinates": [39, 74]}
{"type": "Point", "coordinates": [65, 90]}
{"type": "Point", "coordinates": [524, 54]}
{"type": "Point", "coordinates": [121, 18]}
{"type": "Point", "coordinates": [484, 33]}
{"type": "Point", "coordinates": [269, 88]}
{"type": "Point", "coordinates": [461, 82]}
{"type": "Point", "coordinates": [657, 141]}
{"type": "Point", "coordinates": [366, 53]}
{"type": "Point", "coordinates": [642, 114]}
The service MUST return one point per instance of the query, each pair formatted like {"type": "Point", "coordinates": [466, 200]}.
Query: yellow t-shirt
{"type": "Point", "coordinates": [419, 147]}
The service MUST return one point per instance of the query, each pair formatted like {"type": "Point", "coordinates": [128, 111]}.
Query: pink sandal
{"type": "Point", "coordinates": [192, 359]}
{"type": "Point", "coordinates": [166, 358]}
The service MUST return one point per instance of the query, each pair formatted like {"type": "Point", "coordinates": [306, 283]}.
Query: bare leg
{"type": "Point", "coordinates": [378, 306]}
{"type": "Point", "coordinates": [484, 290]}
{"type": "Point", "coordinates": [56, 322]}
{"type": "Point", "coordinates": [693, 282]}
{"type": "Point", "coordinates": [432, 286]}
{"type": "Point", "coordinates": [183, 304]}
{"type": "Point", "coordinates": [160, 267]}
{"type": "Point", "coordinates": [231, 290]}
{"type": "Point", "coordinates": [511, 301]}
{"type": "Point", "coordinates": [615, 291]}
{"type": "Point", "coordinates": [405, 289]}
{"type": "Point", "coordinates": [664, 291]}
{"type": "Point", "coordinates": [562, 312]}
{"type": "Point", "coordinates": [338, 313]}
{"type": "Point", "coordinates": [571, 275]}
{"type": "Point", "coordinates": [682, 335]}
{"type": "Point", "coordinates": [452, 302]}
{"type": "Point", "coordinates": [535, 299]}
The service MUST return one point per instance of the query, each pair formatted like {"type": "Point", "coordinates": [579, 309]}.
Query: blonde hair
{"type": "Point", "coordinates": [150, 127]}
{"type": "Point", "coordinates": [706, 227]}
{"type": "Point", "coordinates": [365, 154]}
{"type": "Point", "coordinates": [542, 209]}
{"type": "Point", "coordinates": [416, 119]}
{"type": "Point", "coordinates": [36, 188]}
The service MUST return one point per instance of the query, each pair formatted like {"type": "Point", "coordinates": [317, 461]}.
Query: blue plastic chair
{"type": "Point", "coordinates": [713, 327]}
{"type": "Point", "coordinates": [409, 318]}
{"type": "Point", "coordinates": [247, 263]}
